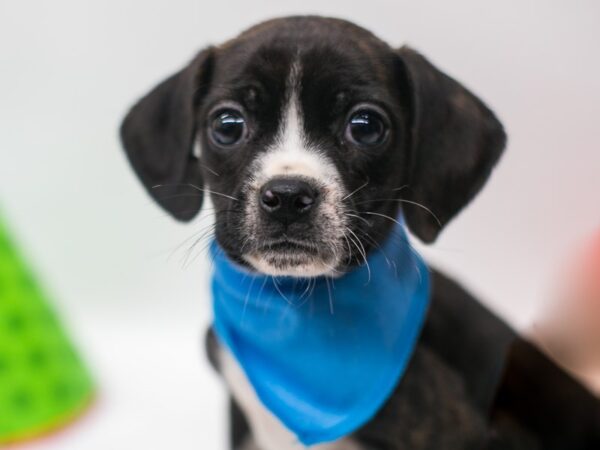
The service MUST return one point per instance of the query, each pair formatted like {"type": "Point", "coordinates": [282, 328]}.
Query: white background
{"type": "Point", "coordinates": [69, 70]}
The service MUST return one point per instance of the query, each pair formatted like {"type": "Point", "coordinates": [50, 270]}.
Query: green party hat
{"type": "Point", "coordinates": [43, 383]}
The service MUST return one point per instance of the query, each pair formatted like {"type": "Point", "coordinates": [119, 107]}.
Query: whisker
{"type": "Point", "coordinates": [262, 288]}
{"type": "Point", "coordinates": [331, 309]}
{"type": "Point", "coordinates": [189, 251]}
{"type": "Point", "coordinates": [362, 251]}
{"type": "Point", "coordinates": [349, 247]}
{"type": "Point", "coordinates": [248, 296]}
{"type": "Point", "coordinates": [355, 190]}
{"type": "Point", "coordinates": [375, 244]}
{"type": "Point", "coordinates": [402, 200]}
{"type": "Point", "coordinates": [279, 290]}
{"type": "Point", "coordinates": [193, 186]}
{"type": "Point", "coordinates": [358, 217]}
{"type": "Point", "coordinates": [210, 170]}
{"type": "Point", "coordinates": [382, 215]}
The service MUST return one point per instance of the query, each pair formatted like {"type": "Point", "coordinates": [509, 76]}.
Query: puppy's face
{"type": "Point", "coordinates": [308, 140]}
{"type": "Point", "coordinates": [310, 135]}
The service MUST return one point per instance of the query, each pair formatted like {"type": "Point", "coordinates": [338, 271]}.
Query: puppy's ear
{"type": "Point", "coordinates": [158, 135]}
{"type": "Point", "coordinates": [455, 142]}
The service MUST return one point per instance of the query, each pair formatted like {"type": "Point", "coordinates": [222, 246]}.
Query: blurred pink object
{"type": "Point", "coordinates": [571, 330]}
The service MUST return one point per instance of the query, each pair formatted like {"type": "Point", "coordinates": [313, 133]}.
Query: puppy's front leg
{"type": "Point", "coordinates": [265, 431]}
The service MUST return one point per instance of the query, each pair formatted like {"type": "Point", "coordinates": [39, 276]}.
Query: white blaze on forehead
{"type": "Point", "coordinates": [290, 153]}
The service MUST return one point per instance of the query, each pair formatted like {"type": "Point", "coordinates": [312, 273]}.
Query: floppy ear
{"type": "Point", "coordinates": [455, 142]}
{"type": "Point", "coordinates": [158, 135]}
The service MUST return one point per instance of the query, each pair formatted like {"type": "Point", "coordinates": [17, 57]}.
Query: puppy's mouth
{"type": "Point", "coordinates": [287, 246]}
{"type": "Point", "coordinates": [290, 257]}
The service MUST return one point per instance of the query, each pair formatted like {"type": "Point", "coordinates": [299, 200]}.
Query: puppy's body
{"type": "Point", "coordinates": [472, 383]}
{"type": "Point", "coordinates": [313, 136]}
{"type": "Point", "coordinates": [442, 401]}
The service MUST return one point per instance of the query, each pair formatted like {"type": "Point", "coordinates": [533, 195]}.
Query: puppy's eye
{"type": "Point", "coordinates": [228, 127]}
{"type": "Point", "coordinates": [366, 128]}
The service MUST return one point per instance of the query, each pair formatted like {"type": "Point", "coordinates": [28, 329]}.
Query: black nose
{"type": "Point", "coordinates": [287, 199]}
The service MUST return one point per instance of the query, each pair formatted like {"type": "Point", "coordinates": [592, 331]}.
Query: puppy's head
{"type": "Point", "coordinates": [310, 135]}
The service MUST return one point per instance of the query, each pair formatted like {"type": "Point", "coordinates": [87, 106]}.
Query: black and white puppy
{"type": "Point", "coordinates": [310, 133]}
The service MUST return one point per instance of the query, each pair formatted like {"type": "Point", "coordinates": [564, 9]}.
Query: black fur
{"type": "Point", "coordinates": [159, 132]}
{"type": "Point", "coordinates": [467, 378]}
{"type": "Point", "coordinates": [457, 141]}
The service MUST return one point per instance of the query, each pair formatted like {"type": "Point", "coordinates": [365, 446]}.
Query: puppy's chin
{"type": "Point", "coordinates": [291, 265]}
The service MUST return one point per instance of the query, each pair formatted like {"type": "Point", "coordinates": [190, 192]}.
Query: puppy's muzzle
{"type": "Point", "coordinates": [287, 200]}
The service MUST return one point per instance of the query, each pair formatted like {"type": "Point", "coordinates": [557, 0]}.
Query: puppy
{"type": "Point", "coordinates": [312, 137]}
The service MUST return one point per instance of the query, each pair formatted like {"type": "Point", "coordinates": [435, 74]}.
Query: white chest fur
{"type": "Point", "coordinates": [269, 433]}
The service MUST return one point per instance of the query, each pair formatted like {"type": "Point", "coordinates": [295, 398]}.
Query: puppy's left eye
{"type": "Point", "coordinates": [366, 127]}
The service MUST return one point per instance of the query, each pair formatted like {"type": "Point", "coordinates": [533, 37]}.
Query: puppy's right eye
{"type": "Point", "coordinates": [228, 127]}
{"type": "Point", "coordinates": [366, 128]}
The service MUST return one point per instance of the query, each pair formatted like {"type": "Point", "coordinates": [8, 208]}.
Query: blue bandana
{"type": "Point", "coordinates": [323, 354]}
